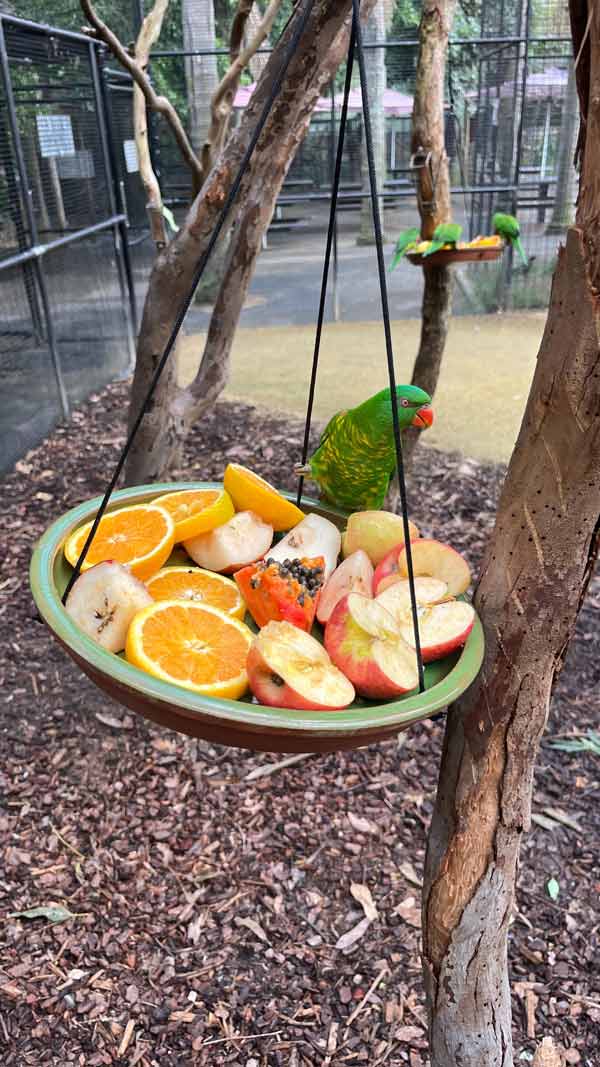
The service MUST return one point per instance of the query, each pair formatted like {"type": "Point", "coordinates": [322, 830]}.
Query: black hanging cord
{"type": "Point", "coordinates": [328, 247]}
{"type": "Point", "coordinates": [289, 52]}
{"type": "Point", "coordinates": [388, 332]}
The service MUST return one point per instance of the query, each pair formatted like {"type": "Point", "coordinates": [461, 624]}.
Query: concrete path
{"type": "Point", "coordinates": [488, 366]}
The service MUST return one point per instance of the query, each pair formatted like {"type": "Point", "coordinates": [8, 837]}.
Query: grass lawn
{"type": "Point", "coordinates": [488, 366]}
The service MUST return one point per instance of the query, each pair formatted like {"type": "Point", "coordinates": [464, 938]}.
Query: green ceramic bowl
{"type": "Point", "coordinates": [233, 722]}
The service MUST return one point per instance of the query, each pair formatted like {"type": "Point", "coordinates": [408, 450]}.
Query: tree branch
{"type": "Point", "coordinates": [148, 35]}
{"type": "Point", "coordinates": [222, 100]}
{"type": "Point", "coordinates": [135, 68]}
{"type": "Point", "coordinates": [238, 28]}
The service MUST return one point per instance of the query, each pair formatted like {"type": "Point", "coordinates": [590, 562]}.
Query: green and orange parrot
{"type": "Point", "coordinates": [356, 457]}
{"type": "Point", "coordinates": [507, 227]}
{"type": "Point", "coordinates": [407, 240]}
{"type": "Point", "coordinates": [447, 233]}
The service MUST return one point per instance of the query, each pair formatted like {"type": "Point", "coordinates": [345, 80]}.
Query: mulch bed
{"type": "Point", "coordinates": [206, 906]}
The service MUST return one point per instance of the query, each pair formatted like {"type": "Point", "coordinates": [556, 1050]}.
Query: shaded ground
{"type": "Point", "coordinates": [488, 366]}
{"type": "Point", "coordinates": [207, 906]}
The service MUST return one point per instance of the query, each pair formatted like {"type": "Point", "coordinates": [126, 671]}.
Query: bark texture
{"type": "Point", "coordinates": [319, 53]}
{"type": "Point", "coordinates": [433, 193]}
{"type": "Point", "coordinates": [147, 38]}
{"type": "Point", "coordinates": [436, 309]}
{"type": "Point", "coordinates": [534, 577]}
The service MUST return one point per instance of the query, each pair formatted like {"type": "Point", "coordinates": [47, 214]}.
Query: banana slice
{"type": "Point", "coordinates": [104, 600]}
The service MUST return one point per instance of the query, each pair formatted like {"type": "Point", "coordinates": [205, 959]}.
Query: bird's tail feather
{"type": "Point", "coordinates": [521, 251]}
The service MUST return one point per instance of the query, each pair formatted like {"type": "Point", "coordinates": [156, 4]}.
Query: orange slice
{"type": "Point", "coordinates": [192, 645]}
{"type": "Point", "coordinates": [202, 587]}
{"type": "Point", "coordinates": [140, 536]}
{"type": "Point", "coordinates": [196, 511]}
{"type": "Point", "coordinates": [250, 492]}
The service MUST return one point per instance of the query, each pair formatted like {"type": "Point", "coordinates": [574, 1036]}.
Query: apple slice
{"type": "Point", "coordinates": [442, 628]}
{"type": "Point", "coordinates": [287, 668]}
{"type": "Point", "coordinates": [365, 642]}
{"type": "Point", "coordinates": [354, 575]}
{"type": "Point", "coordinates": [104, 600]}
{"type": "Point", "coordinates": [376, 532]}
{"type": "Point", "coordinates": [437, 560]}
{"type": "Point", "coordinates": [396, 598]}
{"type": "Point", "coordinates": [314, 536]}
{"type": "Point", "coordinates": [386, 572]}
{"type": "Point", "coordinates": [227, 548]}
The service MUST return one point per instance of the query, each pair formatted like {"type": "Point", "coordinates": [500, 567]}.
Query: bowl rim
{"type": "Point", "coordinates": [365, 718]}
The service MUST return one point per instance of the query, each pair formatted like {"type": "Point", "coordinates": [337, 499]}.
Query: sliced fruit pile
{"type": "Point", "coordinates": [492, 240]}
{"type": "Point", "coordinates": [327, 631]}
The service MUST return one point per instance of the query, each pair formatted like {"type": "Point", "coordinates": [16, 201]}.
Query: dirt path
{"type": "Point", "coordinates": [487, 369]}
{"type": "Point", "coordinates": [206, 907]}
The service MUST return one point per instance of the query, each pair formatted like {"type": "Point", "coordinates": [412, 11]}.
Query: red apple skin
{"type": "Point", "coordinates": [449, 552]}
{"type": "Point", "coordinates": [273, 695]}
{"type": "Point", "coordinates": [357, 576]}
{"type": "Point", "coordinates": [444, 648]}
{"type": "Point", "coordinates": [388, 568]}
{"type": "Point", "coordinates": [366, 677]}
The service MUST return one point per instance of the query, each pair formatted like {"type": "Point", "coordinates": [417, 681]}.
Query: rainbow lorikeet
{"type": "Point", "coordinates": [406, 239]}
{"type": "Point", "coordinates": [356, 457]}
{"type": "Point", "coordinates": [447, 233]}
{"type": "Point", "coordinates": [507, 226]}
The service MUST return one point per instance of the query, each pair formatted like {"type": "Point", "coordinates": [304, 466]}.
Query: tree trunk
{"type": "Point", "coordinates": [564, 203]}
{"type": "Point", "coordinates": [534, 577]}
{"type": "Point", "coordinates": [318, 55]}
{"type": "Point", "coordinates": [436, 309]}
{"type": "Point", "coordinates": [201, 74]}
{"type": "Point", "coordinates": [433, 198]}
{"type": "Point", "coordinates": [374, 32]}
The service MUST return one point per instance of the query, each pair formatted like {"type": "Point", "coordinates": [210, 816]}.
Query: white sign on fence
{"type": "Point", "coordinates": [80, 165]}
{"type": "Point", "coordinates": [131, 157]}
{"type": "Point", "coordinates": [55, 135]}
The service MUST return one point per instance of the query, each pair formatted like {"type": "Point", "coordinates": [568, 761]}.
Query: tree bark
{"type": "Point", "coordinates": [374, 32]}
{"type": "Point", "coordinates": [319, 53]}
{"type": "Point", "coordinates": [534, 578]}
{"type": "Point", "coordinates": [147, 38]}
{"type": "Point", "coordinates": [433, 197]}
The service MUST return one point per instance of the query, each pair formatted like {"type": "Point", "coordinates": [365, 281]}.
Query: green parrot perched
{"type": "Point", "coordinates": [356, 457]}
{"type": "Point", "coordinates": [405, 240]}
{"type": "Point", "coordinates": [507, 227]}
{"type": "Point", "coordinates": [447, 233]}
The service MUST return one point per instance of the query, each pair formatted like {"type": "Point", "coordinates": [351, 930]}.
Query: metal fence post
{"type": "Point", "coordinates": [25, 195]}
{"type": "Point", "coordinates": [120, 229]}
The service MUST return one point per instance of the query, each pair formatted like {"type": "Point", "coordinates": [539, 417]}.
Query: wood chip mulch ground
{"type": "Point", "coordinates": [206, 901]}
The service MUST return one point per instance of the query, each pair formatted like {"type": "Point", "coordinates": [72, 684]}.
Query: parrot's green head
{"type": "Point", "coordinates": [413, 409]}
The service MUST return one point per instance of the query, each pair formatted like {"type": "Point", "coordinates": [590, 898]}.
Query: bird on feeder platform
{"type": "Point", "coordinates": [406, 239]}
{"type": "Point", "coordinates": [507, 227]}
{"type": "Point", "coordinates": [447, 233]}
{"type": "Point", "coordinates": [356, 457]}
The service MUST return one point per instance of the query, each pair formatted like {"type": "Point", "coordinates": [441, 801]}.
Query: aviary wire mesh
{"type": "Point", "coordinates": [62, 287]}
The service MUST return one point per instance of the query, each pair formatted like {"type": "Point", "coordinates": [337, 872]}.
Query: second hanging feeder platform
{"type": "Point", "coordinates": [472, 254]}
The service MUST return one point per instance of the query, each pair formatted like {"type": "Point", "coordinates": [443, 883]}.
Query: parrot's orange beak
{"type": "Point", "coordinates": [423, 418]}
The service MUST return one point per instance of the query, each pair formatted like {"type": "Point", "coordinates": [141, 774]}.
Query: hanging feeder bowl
{"type": "Point", "coordinates": [485, 254]}
{"type": "Point", "coordinates": [244, 723]}
{"type": "Point", "coordinates": [241, 723]}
